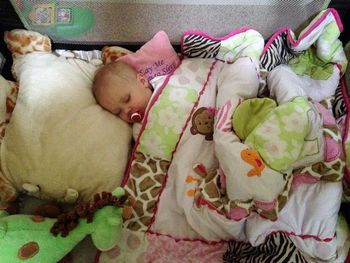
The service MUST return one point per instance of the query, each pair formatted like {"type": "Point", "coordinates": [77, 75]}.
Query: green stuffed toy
{"type": "Point", "coordinates": [28, 238]}
{"type": "Point", "coordinates": [273, 129]}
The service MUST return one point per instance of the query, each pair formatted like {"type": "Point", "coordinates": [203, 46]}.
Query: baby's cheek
{"type": "Point", "coordinates": [124, 117]}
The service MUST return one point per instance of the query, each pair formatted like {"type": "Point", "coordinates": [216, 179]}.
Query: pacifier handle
{"type": "Point", "coordinates": [136, 117]}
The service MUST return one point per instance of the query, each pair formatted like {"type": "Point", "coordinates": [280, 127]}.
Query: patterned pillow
{"type": "Point", "coordinates": [155, 58]}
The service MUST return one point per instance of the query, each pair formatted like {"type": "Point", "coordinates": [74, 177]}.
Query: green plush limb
{"type": "Point", "coordinates": [28, 238]}
{"type": "Point", "coordinates": [277, 133]}
{"type": "Point", "coordinates": [104, 239]}
{"type": "Point", "coordinates": [249, 114]}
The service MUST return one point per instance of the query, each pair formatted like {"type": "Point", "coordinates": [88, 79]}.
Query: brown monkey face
{"type": "Point", "coordinates": [203, 123]}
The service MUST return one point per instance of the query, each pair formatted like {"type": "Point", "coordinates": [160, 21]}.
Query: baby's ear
{"type": "Point", "coordinates": [142, 78]}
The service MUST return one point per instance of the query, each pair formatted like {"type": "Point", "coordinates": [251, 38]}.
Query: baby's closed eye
{"type": "Point", "coordinates": [126, 98]}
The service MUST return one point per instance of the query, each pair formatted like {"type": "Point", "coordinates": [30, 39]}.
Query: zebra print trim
{"type": "Point", "coordinates": [339, 107]}
{"type": "Point", "coordinates": [278, 248]}
{"type": "Point", "coordinates": [196, 46]}
{"type": "Point", "coordinates": [277, 53]}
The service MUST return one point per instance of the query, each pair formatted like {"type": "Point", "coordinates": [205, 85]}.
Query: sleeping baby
{"type": "Point", "coordinates": [125, 86]}
{"type": "Point", "coordinates": [124, 92]}
{"type": "Point", "coordinates": [119, 89]}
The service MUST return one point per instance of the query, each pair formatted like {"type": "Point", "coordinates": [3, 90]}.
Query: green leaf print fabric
{"type": "Point", "coordinates": [280, 138]}
{"type": "Point", "coordinates": [309, 64]}
{"type": "Point", "coordinates": [163, 134]}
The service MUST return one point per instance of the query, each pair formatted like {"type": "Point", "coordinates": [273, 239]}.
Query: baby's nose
{"type": "Point", "coordinates": [127, 110]}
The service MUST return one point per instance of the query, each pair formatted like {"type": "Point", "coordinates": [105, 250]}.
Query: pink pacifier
{"type": "Point", "coordinates": [136, 117]}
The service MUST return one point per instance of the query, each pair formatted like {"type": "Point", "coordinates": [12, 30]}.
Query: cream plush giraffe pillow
{"type": "Point", "coordinates": [59, 143]}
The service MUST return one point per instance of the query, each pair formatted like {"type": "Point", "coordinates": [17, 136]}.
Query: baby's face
{"type": "Point", "coordinates": [123, 98]}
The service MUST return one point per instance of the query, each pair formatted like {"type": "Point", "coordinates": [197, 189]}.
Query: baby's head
{"type": "Point", "coordinates": [122, 91]}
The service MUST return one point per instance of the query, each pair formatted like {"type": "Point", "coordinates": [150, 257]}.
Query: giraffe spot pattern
{"type": "Point", "coordinates": [210, 190]}
{"type": "Point", "coordinates": [138, 207]}
{"type": "Point", "coordinates": [144, 197]}
{"type": "Point", "coordinates": [131, 185]}
{"type": "Point", "coordinates": [114, 252]}
{"type": "Point", "coordinates": [146, 220]}
{"type": "Point", "coordinates": [320, 168]}
{"type": "Point", "coordinates": [138, 170]}
{"type": "Point", "coordinates": [28, 250]}
{"type": "Point", "coordinates": [141, 258]}
{"type": "Point", "coordinates": [135, 226]}
{"type": "Point", "coordinates": [146, 184]}
{"type": "Point", "coordinates": [150, 206]}
{"type": "Point", "coordinates": [164, 165]}
{"type": "Point", "coordinates": [155, 192]}
{"type": "Point", "coordinates": [146, 178]}
{"type": "Point", "coordinates": [336, 166]}
{"type": "Point", "coordinates": [140, 157]}
{"type": "Point", "coordinates": [159, 178]}
{"type": "Point", "coordinates": [127, 212]}
{"type": "Point", "coordinates": [133, 241]}
{"type": "Point", "coordinates": [37, 219]}
{"type": "Point", "coordinates": [153, 165]}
